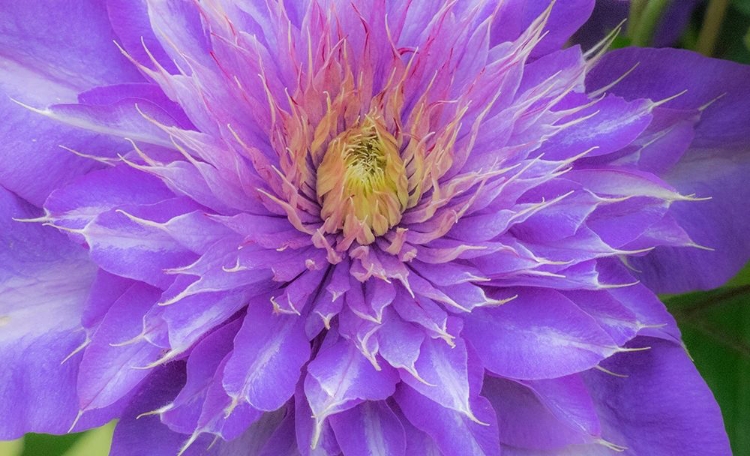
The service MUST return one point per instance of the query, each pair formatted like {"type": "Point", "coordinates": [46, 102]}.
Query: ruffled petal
{"type": "Point", "coordinates": [716, 165]}
{"type": "Point", "coordinates": [541, 334]}
{"type": "Point", "coordinates": [44, 281]}
{"type": "Point", "coordinates": [661, 405]}
{"type": "Point", "coordinates": [79, 54]}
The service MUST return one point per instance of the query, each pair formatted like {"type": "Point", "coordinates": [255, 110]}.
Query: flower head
{"type": "Point", "coordinates": [326, 227]}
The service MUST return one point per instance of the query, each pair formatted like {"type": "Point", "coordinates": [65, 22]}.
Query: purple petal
{"type": "Point", "coordinates": [31, 161]}
{"type": "Point", "coordinates": [313, 438]}
{"type": "Point", "coordinates": [44, 281]}
{"type": "Point", "coordinates": [609, 125]}
{"type": "Point", "coordinates": [221, 414]}
{"type": "Point", "coordinates": [340, 377]}
{"type": "Point", "coordinates": [138, 119]}
{"type": "Point", "coordinates": [109, 370]}
{"type": "Point", "coordinates": [205, 358]}
{"type": "Point", "coordinates": [82, 47]}
{"type": "Point", "coordinates": [447, 375]}
{"type": "Point", "coordinates": [541, 334]}
{"type": "Point", "coordinates": [137, 434]}
{"type": "Point", "coordinates": [716, 165]}
{"type": "Point", "coordinates": [123, 245]}
{"type": "Point", "coordinates": [370, 428]}
{"type": "Point", "coordinates": [193, 317]}
{"type": "Point", "coordinates": [527, 420]}
{"type": "Point", "coordinates": [515, 16]}
{"type": "Point", "coordinates": [640, 413]}
{"type": "Point", "coordinates": [454, 433]}
{"type": "Point", "coordinates": [399, 342]}
{"type": "Point", "coordinates": [606, 16]}
{"type": "Point", "coordinates": [269, 352]}
{"type": "Point", "coordinates": [283, 442]}
{"type": "Point", "coordinates": [130, 21]}
{"type": "Point", "coordinates": [76, 204]}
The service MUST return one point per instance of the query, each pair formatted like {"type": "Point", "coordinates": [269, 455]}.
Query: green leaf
{"type": "Point", "coordinates": [95, 442]}
{"type": "Point", "coordinates": [48, 445]}
{"type": "Point", "coordinates": [741, 279]}
{"type": "Point", "coordinates": [742, 5]}
{"type": "Point", "coordinates": [11, 447]}
{"type": "Point", "coordinates": [716, 331]}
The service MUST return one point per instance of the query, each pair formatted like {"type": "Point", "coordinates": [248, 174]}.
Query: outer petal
{"type": "Point", "coordinates": [146, 435]}
{"type": "Point", "coordinates": [716, 165]}
{"type": "Point", "coordinates": [539, 335]}
{"type": "Point", "coordinates": [44, 280]}
{"type": "Point", "coordinates": [78, 55]}
{"type": "Point", "coordinates": [663, 406]}
{"type": "Point", "coordinates": [81, 45]}
{"type": "Point", "coordinates": [527, 420]}
{"type": "Point", "coordinates": [110, 370]}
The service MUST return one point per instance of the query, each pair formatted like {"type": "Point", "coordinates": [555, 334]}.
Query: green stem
{"type": "Point", "coordinates": [636, 9]}
{"type": "Point", "coordinates": [715, 13]}
{"type": "Point", "coordinates": [647, 22]}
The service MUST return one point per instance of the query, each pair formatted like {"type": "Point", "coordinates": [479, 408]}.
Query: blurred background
{"type": "Point", "coordinates": [716, 324]}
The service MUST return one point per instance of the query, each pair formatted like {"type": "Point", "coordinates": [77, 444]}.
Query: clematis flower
{"type": "Point", "coordinates": [359, 227]}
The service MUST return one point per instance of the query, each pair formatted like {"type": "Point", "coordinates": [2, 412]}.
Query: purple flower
{"type": "Point", "coordinates": [365, 228]}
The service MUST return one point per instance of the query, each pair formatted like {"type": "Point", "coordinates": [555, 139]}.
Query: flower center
{"type": "Point", "coordinates": [361, 182]}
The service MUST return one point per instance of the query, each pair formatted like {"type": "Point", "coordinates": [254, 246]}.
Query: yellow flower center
{"type": "Point", "coordinates": [361, 182]}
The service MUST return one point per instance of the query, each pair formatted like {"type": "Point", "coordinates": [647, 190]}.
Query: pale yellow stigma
{"type": "Point", "coordinates": [361, 182]}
